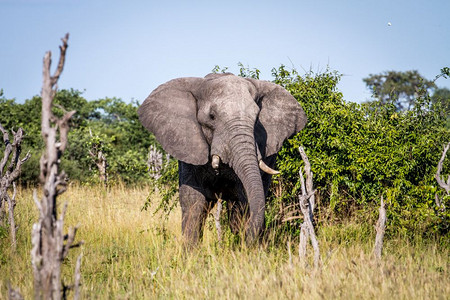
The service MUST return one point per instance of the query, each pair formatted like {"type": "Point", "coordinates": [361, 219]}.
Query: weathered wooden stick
{"type": "Point", "coordinates": [8, 175]}
{"type": "Point", "coordinates": [291, 262]}
{"type": "Point", "coordinates": [77, 280]}
{"type": "Point", "coordinates": [440, 179]}
{"type": "Point", "coordinates": [12, 222]}
{"type": "Point", "coordinates": [380, 229]}
{"type": "Point", "coordinates": [100, 161]}
{"type": "Point", "coordinates": [8, 149]}
{"type": "Point", "coordinates": [303, 244]}
{"type": "Point", "coordinates": [217, 217]}
{"type": "Point", "coordinates": [307, 205]}
{"type": "Point", "coordinates": [309, 180]}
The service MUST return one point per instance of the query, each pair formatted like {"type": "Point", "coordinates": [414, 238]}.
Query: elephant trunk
{"type": "Point", "coordinates": [243, 160]}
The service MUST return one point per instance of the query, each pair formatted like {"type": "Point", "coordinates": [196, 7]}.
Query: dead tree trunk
{"type": "Point", "coordinates": [441, 181]}
{"type": "Point", "coordinates": [7, 177]}
{"type": "Point", "coordinates": [47, 236]}
{"type": "Point", "coordinates": [100, 160]}
{"type": "Point", "coordinates": [380, 228]}
{"type": "Point", "coordinates": [307, 205]}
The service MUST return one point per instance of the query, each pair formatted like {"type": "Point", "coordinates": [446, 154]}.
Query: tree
{"type": "Point", "coordinates": [47, 237]}
{"type": "Point", "coordinates": [401, 88]}
{"type": "Point", "coordinates": [8, 174]}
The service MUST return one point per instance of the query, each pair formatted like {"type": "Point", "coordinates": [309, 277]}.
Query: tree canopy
{"type": "Point", "coordinates": [401, 88]}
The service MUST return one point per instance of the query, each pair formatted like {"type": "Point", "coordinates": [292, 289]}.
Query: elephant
{"type": "Point", "coordinates": [225, 131]}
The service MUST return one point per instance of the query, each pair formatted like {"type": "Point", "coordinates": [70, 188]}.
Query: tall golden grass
{"type": "Point", "coordinates": [134, 254]}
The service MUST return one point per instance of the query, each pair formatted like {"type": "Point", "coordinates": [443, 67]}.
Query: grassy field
{"type": "Point", "coordinates": [133, 254]}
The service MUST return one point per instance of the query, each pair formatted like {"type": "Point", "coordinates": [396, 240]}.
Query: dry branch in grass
{"type": "Point", "coordinates": [48, 247]}
{"type": "Point", "coordinates": [441, 181]}
{"type": "Point", "coordinates": [100, 161]}
{"type": "Point", "coordinates": [8, 174]}
{"type": "Point", "coordinates": [14, 294]}
{"type": "Point", "coordinates": [307, 205]}
{"type": "Point", "coordinates": [217, 217]}
{"type": "Point", "coordinates": [380, 228]}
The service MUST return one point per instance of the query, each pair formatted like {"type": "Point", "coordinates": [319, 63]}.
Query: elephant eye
{"type": "Point", "coordinates": [212, 116]}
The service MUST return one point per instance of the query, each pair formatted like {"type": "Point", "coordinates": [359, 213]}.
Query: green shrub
{"type": "Point", "coordinates": [359, 152]}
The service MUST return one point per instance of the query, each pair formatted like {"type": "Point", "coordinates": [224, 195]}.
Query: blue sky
{"type": "Point", "coordinates": [126, 49]}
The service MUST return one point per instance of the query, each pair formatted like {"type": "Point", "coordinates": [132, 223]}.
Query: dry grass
{"type": "Point", "coordinates": [132, 254]}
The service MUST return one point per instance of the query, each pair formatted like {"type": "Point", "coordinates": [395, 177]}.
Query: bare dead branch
{"type": "Point", "coordinates": [303, 244]}
{"type": "Point", "coordinates": [12, 223]}
{"type": "Point", "coordinates": [70, 240]}
{"type": "Point", "coordinates": [37, 202]}
{"type": "Point", "coordinates": [293, 218]}
{"type": "Point", "coordinates": [444, 185]}
{"type": "Point", "coordinates": [4, 133]}
{"type": "Point", "coordinates": [291, 263]}
{"type": "Point", "coordinates": [36, 256]}
{"type": "Point", "coordinates": [49, 249]}
{"type": "Point", "coordinates": [155, 162]}
{"type": "Point", "coordinates": [62, 58]}
{"type": "Point", "coordinates": [63, 212]}
{"type": "Point", "coordinates": [8, 176]}
{"type": "Point", "coordinates": [440, 179]}
{"type": "Point", "coordinates": [217, 217]}
{"type": "Point", "coordinates": [77, 279]}
{"type": "Point", "coordinates": [309, 179]}
{"type": "Point", "coordinates": [306, 206]}
{"type": "Point", "coordinates": [64, 129]}
{"type": "Point", "coordinates": [8, 149]}
{"type": "Point", "coordinates": [100, 161]}
{"type": "Point", "coordinates": [380, 229]}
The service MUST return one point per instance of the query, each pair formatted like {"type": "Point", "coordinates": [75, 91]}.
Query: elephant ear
{"type": "Point", "coordinates": [170, 112]}
{"type": "Point", "coordinates": [280, 117]}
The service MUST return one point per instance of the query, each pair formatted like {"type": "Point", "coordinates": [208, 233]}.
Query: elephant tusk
{"type": "Point", "coordinates": [267, 169]}
{"type": "Point", "coordinates": [215, 161]}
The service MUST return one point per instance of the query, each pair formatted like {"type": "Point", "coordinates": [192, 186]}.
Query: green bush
{"type": "Point", "coordinates": [109, 125]}
{"type": "Point", "coordinates": [360, 152]}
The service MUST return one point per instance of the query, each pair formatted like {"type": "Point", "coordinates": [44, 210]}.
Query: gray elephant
{"type": "Point", "coordinates": [223, 129]}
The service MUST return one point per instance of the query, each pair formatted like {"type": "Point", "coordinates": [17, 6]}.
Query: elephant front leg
{"type": "Point", "coordinates": [194, 210]}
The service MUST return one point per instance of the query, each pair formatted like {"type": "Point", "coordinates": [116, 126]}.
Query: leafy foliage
{"type": "Point", "coordinates": [359, 152]}
{"type": "Point", "coordinates": [109, 124]}
{"type": "Point", "coordinates": [398, 87]}
{"type": "Point", "coordinates": [441, 99]}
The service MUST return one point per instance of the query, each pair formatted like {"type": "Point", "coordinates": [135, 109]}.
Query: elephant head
{"type": "Point", "coordinates": [224, 119]}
